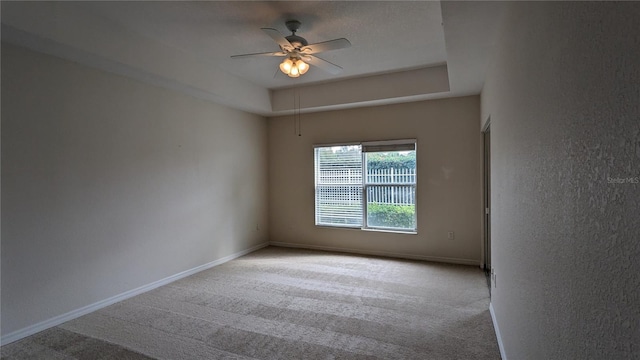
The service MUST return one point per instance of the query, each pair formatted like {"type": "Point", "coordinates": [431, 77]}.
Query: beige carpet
{"type": "Point", "coordinates": [280, 303]}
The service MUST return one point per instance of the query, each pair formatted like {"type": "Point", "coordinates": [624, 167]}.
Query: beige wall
{"type": "Point", "coordinates": [109, 184]}
{"type": "Point", "coordinates": [563, 97]}
{"type": "Point", "coordinates": [449, 175]}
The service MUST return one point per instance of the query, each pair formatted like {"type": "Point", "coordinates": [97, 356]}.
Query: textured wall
{"type": "Point", "coordinates": [109, 184]}
{"type": "Point", "coordinates": [564, 100]}
{"type": "Point", "coordinates": [448, 197]}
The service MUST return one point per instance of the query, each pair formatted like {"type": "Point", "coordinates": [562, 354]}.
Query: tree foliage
{"type": "Point", "coordinates": [391, 160]}
{"type": "Point", "coordinates": [375, 160]}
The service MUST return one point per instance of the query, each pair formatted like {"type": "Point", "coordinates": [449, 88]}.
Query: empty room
{"type": "Point", "coordinates": [320, 180]}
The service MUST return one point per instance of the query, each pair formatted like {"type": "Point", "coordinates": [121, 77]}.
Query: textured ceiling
{"type": "Point", "coordinates": [401, 50]}
{"type": "Point", "coordinates": [385, 36]}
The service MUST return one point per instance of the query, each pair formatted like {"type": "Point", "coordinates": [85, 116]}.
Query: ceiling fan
{"type": "Point", "coordinates": [298, 52]}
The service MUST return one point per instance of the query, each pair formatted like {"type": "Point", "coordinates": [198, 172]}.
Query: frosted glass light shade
{"type": "Point", "coordinates": [286, 66]}
{"type": "Point", "coordinates": [302, 67]}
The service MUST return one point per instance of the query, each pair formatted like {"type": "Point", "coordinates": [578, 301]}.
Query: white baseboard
{"type": "Point", "coordinates": [57, 320]}
{"type": "Point", "coordinates": [495, 326]}
{"type": "Point", "coordinates": [378, 253]}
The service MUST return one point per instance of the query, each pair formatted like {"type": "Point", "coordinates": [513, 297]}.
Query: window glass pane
{"type": "Point", "coordinates": [393, 167]}
{"type": "Point", "coordinates": [391, 207]}
{"type": "Point", "coordinates": [390, 189]}
{"type": "Point", "coordinates": [338, 181]}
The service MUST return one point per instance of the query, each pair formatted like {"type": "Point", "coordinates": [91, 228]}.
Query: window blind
{"type": "Point", "coordinates": [389, 145]}
{"type": "Point", "coordinates": [385, 148]}
{"type": "Point", "coordinates": [338, 184]}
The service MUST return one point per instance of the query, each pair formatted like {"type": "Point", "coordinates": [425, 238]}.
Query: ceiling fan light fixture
{"type": "Point", "coordinates": [286, 66]}
{"type": "Point", "coordinates": [294, 72]}
{"type": "Point", "coordinates": [294, 67]}
{"type": "Point", "coordinates": [303, 67]}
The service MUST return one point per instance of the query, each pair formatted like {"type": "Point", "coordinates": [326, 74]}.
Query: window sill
{"type": "Point", "coordinates": [406, 232]}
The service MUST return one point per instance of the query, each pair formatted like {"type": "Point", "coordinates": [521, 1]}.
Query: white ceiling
{"type": "Point", "coordinates": [385, 36]}
{"type": "Point", "coordinates": [187, 45]}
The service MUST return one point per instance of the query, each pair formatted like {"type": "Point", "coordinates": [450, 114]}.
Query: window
{"type": "Point", "coordinates": [368, 185]}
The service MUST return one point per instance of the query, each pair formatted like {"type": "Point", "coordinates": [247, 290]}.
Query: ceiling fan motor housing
{"type": "Point", "coordinates": [293, 25]}
{"type": "Point", "coordinates": [295, 40]}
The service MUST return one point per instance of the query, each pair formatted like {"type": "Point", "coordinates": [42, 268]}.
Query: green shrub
{"type": "Point", "coordinates": [387, 215]}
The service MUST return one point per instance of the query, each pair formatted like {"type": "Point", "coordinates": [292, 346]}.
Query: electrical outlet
{"type": "Point", "coordinates": [451, 235]}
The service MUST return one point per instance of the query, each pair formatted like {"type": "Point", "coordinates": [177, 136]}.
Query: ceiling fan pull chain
{"type": "Point", "coordinates": [295, 113]}
{"type": "Point", "coordinates": [297, 128]}
{"type": "Point", "coordinates": [299, 122]}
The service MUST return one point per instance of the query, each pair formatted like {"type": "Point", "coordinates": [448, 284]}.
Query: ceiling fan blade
{"type": "Point", "coordinates": [326, 46]}
{"type": "Point", "coordinates": [277, 37]}
{"type": "Point", "coordinates": [323, 64]}
{"type": "Point", "coordinates": [277, 53]}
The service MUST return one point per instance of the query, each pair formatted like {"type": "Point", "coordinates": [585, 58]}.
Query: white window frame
{"type": "Point", "coordinates": [385, 144]}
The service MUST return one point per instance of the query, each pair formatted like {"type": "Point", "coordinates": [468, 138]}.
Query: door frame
{"type": "Point", "coordinates": [486, 195]}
